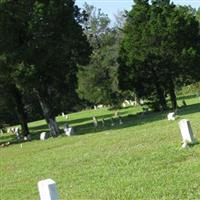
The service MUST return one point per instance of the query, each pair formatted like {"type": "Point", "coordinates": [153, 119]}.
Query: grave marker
{"type": "Point", "coordinates": [43, 136]}
{"type": "Point", "coordinates": [68, 130]}
{"type": "Point", "coordinates": [171, 116]}
{"type": "Point", "coordinates": [47, 190]}
{"type": "Point", "coordinates": [186, 132]}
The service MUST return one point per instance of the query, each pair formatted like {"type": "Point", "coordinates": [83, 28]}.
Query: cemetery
{"type": "Point", "coordinates": [101, 162]}
{"type": "Point", "coordinates": [99, 101]}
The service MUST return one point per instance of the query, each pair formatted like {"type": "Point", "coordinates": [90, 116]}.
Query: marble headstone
{"type": "Point", "coordinates": [47, 190]}
{"type": "Point", "coordinates": [186, 131]}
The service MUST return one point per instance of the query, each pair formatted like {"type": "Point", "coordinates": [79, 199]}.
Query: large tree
{"type": "Point", "coordinates": [98, 81]}
{"type": "Point", "coordinates": [50, 43]}
{"type": "Point", "coordinates": [159, 50]}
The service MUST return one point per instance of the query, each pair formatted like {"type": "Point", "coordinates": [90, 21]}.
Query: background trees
{"type": "Point", "coordinates": [98, 81]}
{"type": "Point", "coordinates": [159, 51]}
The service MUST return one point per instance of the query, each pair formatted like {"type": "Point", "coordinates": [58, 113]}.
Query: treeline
{"type": "Point", "coordinates": [57, 58]}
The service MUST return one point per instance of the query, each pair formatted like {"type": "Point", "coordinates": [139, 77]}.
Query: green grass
{"type": "Point", "coordinates": [142, 159]}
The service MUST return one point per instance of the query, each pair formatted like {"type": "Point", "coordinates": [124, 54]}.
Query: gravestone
{"type": "Point", "coordinates": [95, 122]}
{"type": "Point", "coordinates": [63, 114]}
{"type": "Point", "coordinates": [47, 190]}
{"type": "Point", "coordinates": [43, 136]}
{"type": "Point", "coordinates": [68, 130]}
{"type": "Point", "coordinates": [186, 132]}
{"type": "Point", "coordinates": [171, 116]}
{"type": "Point", "coordinates": [116, 114]}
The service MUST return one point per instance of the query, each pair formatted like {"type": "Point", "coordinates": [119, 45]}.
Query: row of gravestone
{"type": "Point", "coordinates": [69, 131]}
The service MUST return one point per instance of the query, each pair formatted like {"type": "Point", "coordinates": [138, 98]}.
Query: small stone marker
{"type": "Point", "coordinates": [63, 114]}
{"type": "Point", "coordinates": [68, 130]}
{"type": "Point", "coordinates": [43, 136]}
{"type": "Point", "coordinates": [171, 116]}
{"type": "Point", "coordinates": [95, 122]}
{"type": "Point", "coordinates": [116, 114]}
{"type": "Point", "coordinates": [186, 132]}
{"type": "Point", "coordinates": [47, 190]}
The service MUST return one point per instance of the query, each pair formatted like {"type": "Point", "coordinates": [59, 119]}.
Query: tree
{"type": "Point", "coordinates": [158, 50]}
{"type": "Point", "coordinates": [11, 96]}
{"type": "Point", "coordinates": [51, 44]}
{"type": "Point", "coordinates": [98, 81]}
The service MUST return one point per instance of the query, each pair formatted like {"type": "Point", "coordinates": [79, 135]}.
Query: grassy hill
{"type": "Point", "coordinates": [141, 159]}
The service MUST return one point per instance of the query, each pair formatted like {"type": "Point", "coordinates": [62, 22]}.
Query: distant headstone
{"type": "Point", "coordinates": [116, 114]}
{"type": "Point", "coordinates": [95, 122]}
{"type": "Point", "coordinates": [47, 190]}
{"type": "Point", "coordinates": [68, 130]}
{"type": "Point", "coordinates": [186, 132]}
{"type": "Point", "coordinates": [171, 116]}
{"type": "Point", "coordinates": [95, 108]}
{"type": "Point", "coordinates": [43, 136]}
{"type": "Point", "coordinates": [63, 114]}
{"type": "Point", "coordinates": [27, 138]}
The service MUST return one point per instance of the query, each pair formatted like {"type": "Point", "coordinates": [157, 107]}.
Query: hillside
{"type": "Point", "coordinates": [141, 159]}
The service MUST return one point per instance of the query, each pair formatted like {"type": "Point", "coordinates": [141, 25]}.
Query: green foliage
{"type": "Point", "coordinates": [98, 81]}
{"type": "Point", "coordinates": [160, 50]}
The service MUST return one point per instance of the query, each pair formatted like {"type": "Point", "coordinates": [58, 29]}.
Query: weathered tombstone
{"type": "Point", "coordinates": [63, 114]}
{"type": "Point", "coordinates": [68, 130]}
{"type": "Point", "coordinates": [116, 114]}
{"type": "Point", "coordinates": [95, 122]}
{"type": "Point", "coordinates": [186, 132]}
{"type": "Point", "coordinates": [27, 138]}
{"type": "Point", "coordinates": [43, 136]}
{"type": "Point", "coordinates": [171, 116]}
{"type": "Point", "coordinates": [47, 190]}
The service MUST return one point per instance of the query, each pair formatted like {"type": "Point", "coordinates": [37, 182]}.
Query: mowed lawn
{"type": "Point", "coordinates": [141, 159]}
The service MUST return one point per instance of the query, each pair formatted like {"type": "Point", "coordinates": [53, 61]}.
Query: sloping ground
{"type": "Point", "coordinates": [141, 159]}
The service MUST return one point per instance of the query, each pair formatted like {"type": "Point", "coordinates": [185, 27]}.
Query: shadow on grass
{"type": "Point", "coordinates": [128, 121]}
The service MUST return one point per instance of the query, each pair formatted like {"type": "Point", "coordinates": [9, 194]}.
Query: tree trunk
{"type": "Point", "coordinates": [172, 95]}
{"type": "Point", "coordinates": [161, 97]}
{"type": "Point", "coordinates": [160, 92]}
{"type": "Point", "coordinates": [19, 107]}
{"type": "Point", "coordinates": [50, 119]}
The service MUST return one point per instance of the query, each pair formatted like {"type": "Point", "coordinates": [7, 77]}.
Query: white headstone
{"type": "Point", "coordinates": [186, 131]}
{"type": "Point", "coordinates": [63, 114]}
{"type": "Point", "coordinates": [68, 131]}
{"type": "Point", "coordinates": [43, 136]}
{"type": "Point", "coordinates": [171, 116]}
{"type": "Point", "coordinates": [47, 190]}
